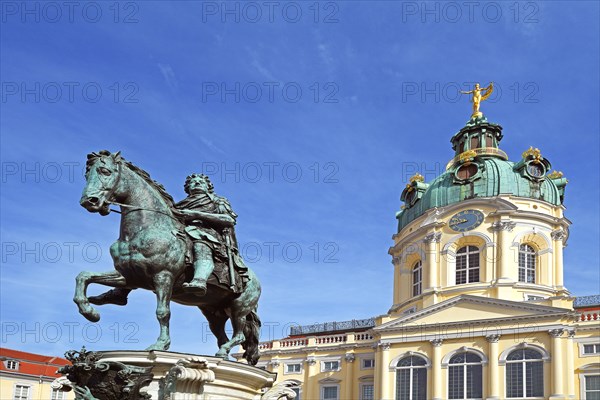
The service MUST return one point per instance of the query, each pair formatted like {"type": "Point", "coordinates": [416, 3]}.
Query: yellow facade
{"type": "Point", "coordinates": [489, 318]}
{"type": "Point", "coordinates": [38, 389]}
{"type": "Point", "coordinates": [478, 312]}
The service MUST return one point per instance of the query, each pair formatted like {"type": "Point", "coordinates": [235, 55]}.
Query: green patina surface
{"type": "Point", "coordinates": [495, 176]}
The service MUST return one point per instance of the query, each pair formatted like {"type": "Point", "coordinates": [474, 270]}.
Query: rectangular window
{"type": "Point", "coordinates": [331, 365]}
{"type": "Point", "coordinates": [57, 395]}
{"type": "Point", "coordinates": [367, 392]}
{"type": "Point", "coordinates": [592, 387]}
{"type": "Point", "coordinates": [297, 391]}
{"type": "Point", "coordinates": [293, 368]}
{"type": "Point", "coordinates": [368, 363]}
{"type": "Point", "coordinates": [12, 364]}
{"type": "Point", "coordinates": [591, 348]}
{"type": "Point", "coordinates": [329, 393]}
{"type": "Point", "coordinates": [21, 392]}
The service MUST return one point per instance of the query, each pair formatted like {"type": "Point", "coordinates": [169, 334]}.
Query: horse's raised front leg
{"type": "Point", "coordinates": [85, 278]}
{"type": "Point", "coordinates": [237, 323]}
{"type": "Point", "coordinates": [163, 286]}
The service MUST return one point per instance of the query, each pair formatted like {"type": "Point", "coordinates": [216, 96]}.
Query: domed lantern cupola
{"type": "Point", "coordinates": [476, 140]}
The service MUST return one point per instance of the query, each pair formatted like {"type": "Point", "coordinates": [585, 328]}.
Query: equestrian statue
{"type": "Point", "coordinates": [185, 252]}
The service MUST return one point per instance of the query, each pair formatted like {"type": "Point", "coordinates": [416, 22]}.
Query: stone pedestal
{"type": "Point", "coordinates": [179, 376]}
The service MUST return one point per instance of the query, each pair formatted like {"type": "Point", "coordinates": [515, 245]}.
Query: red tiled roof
{"type": "Point", "coordinates": [32, 364]}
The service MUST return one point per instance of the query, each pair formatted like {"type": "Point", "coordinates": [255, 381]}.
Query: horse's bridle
{"type": "Point", "coordinates": [111, 192]}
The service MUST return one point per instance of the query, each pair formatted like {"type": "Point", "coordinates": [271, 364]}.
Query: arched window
{"type": "Point", "coordinates": [465, 376]}
{"type": "Point", "coordinates": [467, 265]}
{"type": "Point", "coordinates": [417, 274]}
{"type": "Point", "coordinates": [526, 264]}
{"type": "Point", "coordinates": [411, 378]}
{"type": "Point", "coordinates": [524, 374]}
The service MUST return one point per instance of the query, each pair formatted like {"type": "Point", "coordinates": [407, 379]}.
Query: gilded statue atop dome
{"type": "Point", "coordinates": [478, 97]}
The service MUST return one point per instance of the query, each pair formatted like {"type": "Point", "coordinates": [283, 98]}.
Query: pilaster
{"type": "Point", "coordinates": [436, 368]}
{"type": "Point", "coordinates": [558, 365]}
{"type": "Point", "coordinates": [493, 368]}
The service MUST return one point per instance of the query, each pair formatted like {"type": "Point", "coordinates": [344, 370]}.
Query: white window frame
{"type": "Point", "coordinates": [583, 383]}
{"type": "Point", "coordinates": [8, 364]}
{"type": "Point", "coordinates": [417, 283]}
{"type": "Point", "coordinates": [411, 370]}
{"type": "Point", "coordinates": [587, 341]}
{"type": "Point", "coordinates": [524, 372]}
{"type": "Point", "coordinates": [465, 370]}
{"type": "Point", "coordinates": [534, 297]}
{"type": "Point", "coordinates": [23, 385]}
{"type": "Point", "coordinates": [56, 394]}
{"type": "Point", "coordinates": [595, 348]}
{"type": "Point", "coordinates": [582, 376]}
{"type": "Point", "coordinates": [288, 364]}
{"type": "Point", "coordinates": [527, 267]}
{"type": "Point", "coordinates": [365, 360]}
{"type": "Point", "coordinates": [329, 385]}
{"type": "Point", "coordinates": [360, 389]}
{"type": "Point", "coordinates": [331, 359]}
{"type": "Point", "coordinates": [324, 366]}
{"type": "Point", "coordinates": [468, 254]}
{"type": "Point", "coordinates": [410, 310]}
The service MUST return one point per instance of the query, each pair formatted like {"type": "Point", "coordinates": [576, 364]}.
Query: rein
{"type": "Point", "coordinates": [133, 208]}
{"type": "Point", "coordinates": [137, 208]}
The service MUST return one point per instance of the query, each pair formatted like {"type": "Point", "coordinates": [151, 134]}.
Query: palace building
{"type": "Point", "coordinates": [479, 309]}
{"type": "Point", "coordinates": [28, 376]}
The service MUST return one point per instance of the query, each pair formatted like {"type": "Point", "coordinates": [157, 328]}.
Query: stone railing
{"type": "Point", "coordinates": [342, 338]}
{"type": "Point", "coordinates": [293, 342]}
{"type": "Point", "coordinates": [359, 337]}
{"type": "Point", "coordinates": [593, 315]}
{"type": "Point", "coordinates": [312, 341]}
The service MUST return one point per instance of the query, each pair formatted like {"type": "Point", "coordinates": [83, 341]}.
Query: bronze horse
{"type": "Point", "coordinates": [151, 254]}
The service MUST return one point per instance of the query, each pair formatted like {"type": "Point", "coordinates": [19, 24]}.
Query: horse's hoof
{"type": "Point", "coordinates": [92, 316]}
{"type": "Point", "coordinates": [222, 354]}
{"type": "Point", "coordinates": [158, 346]}
{"type": "Point", "coordinates": [89, 313]}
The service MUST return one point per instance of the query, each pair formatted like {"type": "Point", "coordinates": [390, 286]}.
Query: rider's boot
{"type": "Point", "coordinates": [203, 267]}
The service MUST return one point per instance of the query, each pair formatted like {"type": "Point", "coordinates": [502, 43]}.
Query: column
{"type": "Point", "coordinates": [558, 365]}
{"type": "Point", "coordinates": [494, 370]}
{"type": "Point", "coordinates": [570, 364]}
{"type": "Point", "coordinates": [503, 253]}
{"type": "Point", "coordinates": [436, 368]}
{"type": "Point", "coordinates": [349, 377]}
{"type": "Point", "coordinates": [384, 376]}
{"type": "Point", "coordinates": [557, 241]}
{"type": "Point", "coordinates": [432, 265]}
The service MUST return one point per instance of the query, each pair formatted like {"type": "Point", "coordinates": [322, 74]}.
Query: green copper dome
{"type": "Point", "coordinates": [479, 170]}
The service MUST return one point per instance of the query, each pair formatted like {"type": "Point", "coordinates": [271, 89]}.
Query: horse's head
{"type": "Point", "coordinates": [102, 173]}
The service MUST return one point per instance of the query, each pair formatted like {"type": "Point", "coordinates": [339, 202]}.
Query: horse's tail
{"type": "Point", "coordinates": [252, 333]}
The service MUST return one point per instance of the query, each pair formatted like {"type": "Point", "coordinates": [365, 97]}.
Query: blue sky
{"type": "Point", "coordinates": [310, 117]}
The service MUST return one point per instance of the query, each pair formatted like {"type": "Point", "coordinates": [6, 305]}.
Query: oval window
{"type": "Point", "coordinates": [536, 170]}
{"type": "Point", "coordinates": [466, 171]}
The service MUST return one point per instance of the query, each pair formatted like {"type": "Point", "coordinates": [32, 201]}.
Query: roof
{"type": "Point", "coordinates": [31, 363]}
{"type": "Point", "coordinates": [587, 301]}
{"type": "Point", "coordinates": [491, 175]}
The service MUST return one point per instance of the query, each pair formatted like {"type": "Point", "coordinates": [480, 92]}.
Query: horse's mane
{"type": "Point", "coordinates": [140, 172]}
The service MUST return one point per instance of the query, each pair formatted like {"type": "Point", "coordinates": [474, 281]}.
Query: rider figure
{"type": "Point", "coordinates": [209, 221]}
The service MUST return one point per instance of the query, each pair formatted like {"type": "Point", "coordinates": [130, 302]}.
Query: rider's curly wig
{"type": "Point", "coordinates": [186, 186]}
